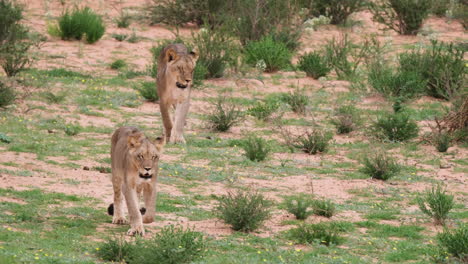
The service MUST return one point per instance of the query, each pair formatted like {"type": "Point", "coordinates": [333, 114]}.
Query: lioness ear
{"type": "Point", "coordinates": [171, 55]}
{"type": "Point", "coordinates": [133, 140]}
{"type": "Point", "coordinates": [160, 142]}
{"type": "Point", "coordinates": [194, 55]}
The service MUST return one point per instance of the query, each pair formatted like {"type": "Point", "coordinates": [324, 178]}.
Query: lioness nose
{"type": "Point", "coordinates": [146, 168]}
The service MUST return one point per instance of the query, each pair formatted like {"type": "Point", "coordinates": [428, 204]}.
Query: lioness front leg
{"type": "Point", "coordinates": [149, 195]}
{"type": "Point", "coordinates": [136, 223]}
{"type": "Point", "coordinates": [177, 133]}
{"type": "Point", "coordinates": [167, 119]}
{"type": "Point", "coordinates": [118, 211]}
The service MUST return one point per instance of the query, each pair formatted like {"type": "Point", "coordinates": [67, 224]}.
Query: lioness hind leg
{"type": "Point", "coordinates": [180, 117]}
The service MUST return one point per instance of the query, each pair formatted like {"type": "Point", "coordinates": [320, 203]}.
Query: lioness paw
{"type": "Point", "coordinates": [119, 220]}
{"type": "Point", "coordinates": [177, 139]}
{"type": "Point", "coordinates": [138, 230]}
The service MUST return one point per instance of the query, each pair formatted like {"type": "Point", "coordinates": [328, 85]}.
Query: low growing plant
{"type": "Point", "coordinates": [256, 148]}
{"type": "Point", "coordinates": [245, 210]}
{"type": "Point", "coordinates": [442, 140]}
{"type": "Point", "coordinates": [7, 95]}
{"type": "Point", "coordinates": [346, 119]}
{"type": "Point", "coordinates": [455, 242]}
{"type": "Point", "coordinates": [337, 10]}
{"type": "Point", "coordinates": [72, 129]}
{"type": "Point", "coordinates": [263, 110]}
{"type": "Point", "coordinates": [81, 23]}
{"type": "Point", "coordinates": [118, 64]}
{"type": "Point", "coordinates": [323, 207]}
{"type": "Point", "coordinates": [275, 54]}
{"type": "Point", "coordinates": [396, 127]}
{"type": "Point", "coordinates": [322, 233]}
{"type": "Point", "coordinates": [436, 203]}
{"type": "Point", "coordinates": [120, 37]}
{"type": "Point", "coordinates": [297, 100]}
{"type": "Point", "coordinates": [314, 65]}
{"type": "Point", "coordinates": [225, 115]}
{"type": "Point", "coordinates": [299, 205]}
{"type": "Point", "coordinates": [55, 98]}
{"type": "Point", "coordinates": [116, 249]}
{"type": "Point", "coordinates": [380, 166]}
{"type": "Point", "coordinates": [313, 141]}
{"type": "Point", "coordinates": [148, 91]}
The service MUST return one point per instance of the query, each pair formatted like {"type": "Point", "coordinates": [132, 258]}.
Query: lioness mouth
{"type": "Point", "coordinates": [181, 86]}
{"type": "Point", "coordinates": [146, 176]}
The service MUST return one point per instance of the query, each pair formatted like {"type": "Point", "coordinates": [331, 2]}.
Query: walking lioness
{"type": "Point", "coordinates": [134, 170]}
{"type": "Point", "coordinates": [174, 80]}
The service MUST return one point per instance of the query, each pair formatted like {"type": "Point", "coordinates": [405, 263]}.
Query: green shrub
{"type": "Point", "coordinates": [123, 21]}
{"type": "Point", "coordinates": [120, 37]}
{"type": "Point", "coordinates": [337, 10]}
{"type": "Point", "coordinates": [440, 7]}
{"type": "Point", "coordinates": [179, 12]}
{"type": "Point", "coordinates": [321, 233]}
{"type": "Point", "coordinates": [436, 204]}
{"type": "Point", "coordinates": [442, 140]}
{"type": "Point", "coordinates": [225, 115]}
{"type": "Point", "coordinates": [299, 205]}
{"type": "Point", "coordinates": [171, 245]}
{"type": "Point", "coordinates": [245, 210]}
{"type": "Point", "coordinates": [263, 110]}
{"type": "Point", "coordinates": [403, 16]}
{"type": "Point", "coordinates": [275, 54]}
{"type": "Point", "coordinates": [118, 64]}
{"type": "Point", "coordinates": [134, 38]}
{"type": "Point", "coordinates": [314, 141]}
{"type": "Point", "coordinates": [4, 138]}
{"type": "Point", "coordinates": [346, 119]}
{"type": "Point", "coordinates": [380, 166]}
{"type": "Point", "coordinates": [323, 207]}
{"type": "Point", "coordinates": [55, 98]}
{"type": "Point", "coordinates": [199, 74]}
{"type": "Point", "coordinates": [297, 100]}
{"type": "Point", "coordinates": [256, 148]}
{"type": "Point", "coordinates": [460, 11]}
{"type": "Point", "coordinates": [314, 65]}
{"type": "Point", "coordinates": [148, 91]}
{"type": "Point", "coordinates": [396, 127]}
{"type": "Point", "coordinates": [441, 65]}
{"type": "Point", "coordinates": [116, 249]}
{"type": "Point", "coordinates": [72, 129]}
{"type": "Point", "coordinates": [130, 74]}
{"type": "Point", "coordinates": [81, 23]}
{"type": "Point", "coordinates": [7, 95]}
{"type": "Point", "coordinates": [288, 36]}
{"type": "Point", "coordinates": [400, 85]}
{"type": "Point", "coordinates": [455, 242]}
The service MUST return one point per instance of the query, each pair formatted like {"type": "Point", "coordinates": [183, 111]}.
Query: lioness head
{"type": "Point", "coordinates": [181, 67]}
{"type": "Point", "coordinates": [144, 154]}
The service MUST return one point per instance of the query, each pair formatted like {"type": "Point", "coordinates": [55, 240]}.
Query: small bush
{"type": "Point", "coordinates": [171, 245]}
{"type": "Point", "coordinates": [225, 115]}
{"type": "Point", "coordinates": [440, 7]}
{"type": "Point", "coordinates": [299, 205]}
{"type": "Point", "coordinates": [337, 10]}
{"type": "Point", "coordinates": [436, 204]}
{"type": "Point", "coordinates": [298, 100]}
{"type": "Point", "coordinates": [256, 148]}
{"type": "Point", "coordinates": [314, 65]}
{"type": "Point", "coordinates": [314, 141]}
{"type": "Point", "coordinates": [460, 11]}
{"type": "Point", "coordinates": [55, 98]}
{"type": "Point", "coordinates": [323, 207]}
{"type": "Point", "coordinates": [321, 233]}
{"type": "Point", "coordinates": [81, 23]}
{"type": "Point", "coordinates": [380, 166]}
{"type": "Point", "coordinates": [199, 74]}
{"type": "Point", "coordinates": [116, 249]}
{"type": "Point", "coordinates": [396, 127]}
{"type": "Point", "coordinates": [148, 91]}
{"type": "Point", "coordinates": [7, 95]}
{"type": "Point", "coordinates": [441, 65]}
{"type": "Point", "coordinates": [263, 110]}
{"type": "Point", "coordinates": [455, 242]}
{"type": "Point", "coordinates": [245, 210]}
{"type": "Point", "coordinates": [346, 119]}
{"type": "Point", "coordinates": [124, 20]}
{"type": "Point", "coordinates": [4, 138]}
{"type": "Point", "coordinates": [72, 129]}
{"type": "Point", "coordinates": [118, 64]}
{"type": "Point", "coordinates": [403, 16]}
{"type": "Point", "coordinates": [442, 140]}
{"type": "Point", "coordinates": [275, 54]}
{"type": "Point", "coordinates": [120, 37]}
{"type": "Point", "coordinates": [289, 37]}
{"type": "Point", "coordinates": [134, 38]}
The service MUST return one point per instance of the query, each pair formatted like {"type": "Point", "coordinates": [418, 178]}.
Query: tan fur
{"type": "Point", "coordinates": [133, 156]}
{"type": "Point", "coordinates": [175, 67]}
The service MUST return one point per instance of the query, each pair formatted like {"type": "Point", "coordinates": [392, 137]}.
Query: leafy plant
{"type": "Point", "coordinates": [275, 54]}
{"type": "Point", "coordinates": [7, 95]}
{"type": "Point", "coordinates": [442, 140]}
{"type": "Point", "coordinates": [4, 138]}
{"type": "Point", "coordinates": [440, 7]}
{"type": "Point", "coordinates": [441, 65]}
{"type": "Point", "coordinates": [263, 110]}
{"type": "Point", "coordinates": [299, 205]}
{"type": "Point", "coordinates": [256, 148]}
{"type": "Point", "coordinates": [148, 91]}
{"type": "Point", "coordinates": [123, 20]}
{"type": "Point", "coordinates": [72, 129]}
{"type": "Point", "coordinates": [337, 10]}
{"type": "Point", "coordinates": [455, 241]}
{"type": "Point", "coordinates": [436, 203]}
{"type": "Point", "coordinates": [225, 115]}
{"type": "Point", "coordinates": [321, 233]}
{"type": "Point", "coordinates": [120, 37]}
{"type": "Point", "coordinates": [396, 127]}
{"type": "Point", "coordinates": [116, 249]}
{"type": "Point", "coordinates": [134, 38]}
{"type": "Point", "coordinates": [402, 16]}
{"type": "Point", "coordinates": [346, 119]}
{"type": "Point", "coordinates": [297, 99]}
{"type": "Point", "coordinates": [245, 210]}
{"type": "Point", "coordinates": [323, 207]}
{"type": "Point", "coordinates": [314, 65]}
{"type": "Point", "coordinates": [313, 141]}
{"type": "Point", "coordinates": [118, 64]}
{"type": "Point", "coordinates": [55, 98]}
{"type": "Point", "coordinates": [81, 23]}
{"type": "Point", "coordinates": [380, 166]}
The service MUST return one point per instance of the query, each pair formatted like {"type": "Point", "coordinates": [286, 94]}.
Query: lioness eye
{"type": "Point", "coordinates": [140, 156]}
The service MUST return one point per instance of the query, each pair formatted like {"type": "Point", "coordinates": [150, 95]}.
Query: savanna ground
{"type": "Point", "coordinates": [55, 188]}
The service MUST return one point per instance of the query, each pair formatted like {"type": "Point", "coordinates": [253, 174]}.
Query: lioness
{"type": "Point", "coordinates": [174, 80]}
{"type": "Point", "coordinates": [134, 169]}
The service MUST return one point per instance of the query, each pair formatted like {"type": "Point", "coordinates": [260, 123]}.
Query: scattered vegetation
{"type": "Point", "coordinates": [402, 16]}
{"type": "Point", "coordinates": [314, 65]}
{"type": "Point", "coordinates": [72, 129]}
{"type": "Point", "coordinates": [297, 100]}
{"type": "Point", "coordinates": [299, 205]}
{"type": "Point", "coordinates": [380, 166]}
{"type": "Point", "coordinates": [314, 141]}
{"type": "Point", "coordinates": [81, 23]}
{"type": "Point", "coordinates": [256, 148]}
{"type": "Point", "coordinates": [120, 37]}
{"type": "Point", "coordinates": [396, 127]}
{"type": "Point", "coordinates": [263, 110]}
{"type": "Point", "coordinates": [323, 207]}
{"type": "Point", "coordinates": [116, 249]}
{"type": "Point", "coordinates": [225, 115]}
{"type": "Point", "coordinates": [245, 210]}
{"type": "Point", "coordinates": [346, 119]}
{"type": "Point", "coordinates": [338, 11]}
{"type": "Point", "coordinates": [436, 203]}
{"type": "Point", "coordinates": [441, 140]}
{"type": "Point", "coordinates": [7, 95]}
{"type": "Point", "coordinates": [118, 64]}
{"type": "Point", "coordinates": [275, 55]}
{"type": "Point", "coordinates": [326, 233]}
{"type": "Point", "coordinates": [123, 20]}
{"type": "Point", "coordinates": [455, 242]}
{"type": "Point", "coordinates": [55, 98]}
{"type": "Point", "coordinates": [148, 90]}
